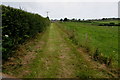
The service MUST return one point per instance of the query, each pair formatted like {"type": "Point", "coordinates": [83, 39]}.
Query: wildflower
{"type": "Point", "coordinates": [6, 36]}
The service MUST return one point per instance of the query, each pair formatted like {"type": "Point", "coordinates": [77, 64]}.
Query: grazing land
{"type": "Point", "coordinates": [100, 41]}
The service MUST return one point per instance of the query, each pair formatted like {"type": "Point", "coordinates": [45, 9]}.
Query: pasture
{"type": "Point", "coordinates": [98, 40]}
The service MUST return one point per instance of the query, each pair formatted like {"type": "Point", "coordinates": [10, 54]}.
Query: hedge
{"type": "Point", "coordinates": [17, 27]}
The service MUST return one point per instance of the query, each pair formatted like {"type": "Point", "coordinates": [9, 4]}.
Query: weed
{"type": "Point", "coordinates": [91, 36]}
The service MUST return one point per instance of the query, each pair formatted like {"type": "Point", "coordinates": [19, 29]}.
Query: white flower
{"type": "Point", "coordinates": [6, 36]}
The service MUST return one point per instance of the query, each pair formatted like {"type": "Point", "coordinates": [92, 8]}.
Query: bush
{"type": "Point", "coordinates": [108, 24]}
{"type": "Point", "coordinates": [17, 27]}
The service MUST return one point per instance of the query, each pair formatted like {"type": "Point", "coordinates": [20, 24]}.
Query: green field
{"type": "Point", "coordinates": [107, 21]}
{"type": "Point", "coordinates": [102, 39]}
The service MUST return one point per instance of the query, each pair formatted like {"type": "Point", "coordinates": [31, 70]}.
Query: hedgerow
{"type": "Point", "coordinates": [17, 27]}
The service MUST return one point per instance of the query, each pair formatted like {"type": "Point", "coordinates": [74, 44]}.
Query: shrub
{"type": "Point", "coordinates": [17, 27]}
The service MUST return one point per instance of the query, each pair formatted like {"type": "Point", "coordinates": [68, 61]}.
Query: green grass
{"type": "Point", "coordinates": [93, 37]}
{"type": "Point", "coordinates": [58, 58]}
{"type": "Point", "coordinates": [53, 55]}
{"type": "Point", "coordinates": [46, 64]}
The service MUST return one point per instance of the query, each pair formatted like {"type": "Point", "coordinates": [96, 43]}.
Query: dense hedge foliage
{"type": "Point", "coordinates": [18, 26]}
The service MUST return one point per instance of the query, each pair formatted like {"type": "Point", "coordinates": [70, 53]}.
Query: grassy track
{"type": "Point", "coordinates": [57, 57]}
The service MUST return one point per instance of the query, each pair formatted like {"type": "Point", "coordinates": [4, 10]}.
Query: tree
{"type": "Point", "coordinates": [61, 19]}
{"type": "Point", "coordinates": [73, 19]}
{"type": "Point", "coordinates": [47, 17]}
{"type": "Point", "coordinates": [79, 19]}
{"type": "Point", "coordinates": [65, 19]}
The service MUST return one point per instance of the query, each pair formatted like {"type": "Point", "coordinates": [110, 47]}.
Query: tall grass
{"type": "Point", "coordinates": [100, 41]}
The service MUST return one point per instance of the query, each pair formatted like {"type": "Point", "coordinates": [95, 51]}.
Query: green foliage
{"type": "Point", "coordinates": [18, 26]}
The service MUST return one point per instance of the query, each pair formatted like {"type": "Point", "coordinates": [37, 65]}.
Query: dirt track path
{"type": "Point", "coordinates": [54, 56]}
{"type": "Point", "coordinates": [58, 58]}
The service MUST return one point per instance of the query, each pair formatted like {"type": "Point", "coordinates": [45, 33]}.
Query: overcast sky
{"type": "Point", "coordinates": [58, 10]}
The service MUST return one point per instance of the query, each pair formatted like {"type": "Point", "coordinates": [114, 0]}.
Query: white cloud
{"type": "Point", "coordinates": [59, 10]}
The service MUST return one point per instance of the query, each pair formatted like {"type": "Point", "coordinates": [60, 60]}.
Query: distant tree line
{"type": "Point", "coordinates": [66, 19]}
{"type": "Point", "coordinates": [91, 21]}
{"type": "Point", "coordinates": [17, 27]}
